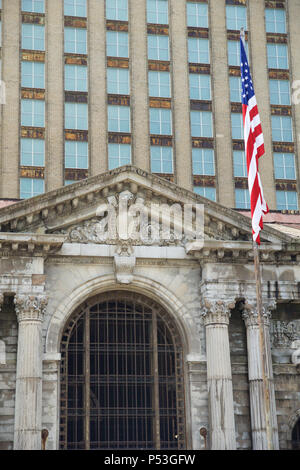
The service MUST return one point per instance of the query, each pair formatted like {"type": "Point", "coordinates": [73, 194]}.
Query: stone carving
{"type": "Point", "coordinates": [2, 353]}
{"type": "Point", "coordinates": [216, 311]}
{"type": "Point", "coordinates": [250, 313]}
{"type": "Point", "coordinates": [124, 263]}
{"type": "Point", "coordinates": [30, 307]}
{"type": "Point", "coordinates": [295, 357]}
{"type": "Point", "coordinates": [284, 333]}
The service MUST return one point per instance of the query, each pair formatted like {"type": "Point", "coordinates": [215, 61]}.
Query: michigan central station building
{"type": "Point", "coordinates": [146, 342]}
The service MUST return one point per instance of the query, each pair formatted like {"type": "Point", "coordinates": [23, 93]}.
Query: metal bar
{"type": "Point", "coordinates": [87, 378]}
{"type": "Point", "coordinates": [156, 382]}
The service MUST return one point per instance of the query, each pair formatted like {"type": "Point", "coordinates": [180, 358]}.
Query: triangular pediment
{"type": "Point", "coordinates": [75, 210]}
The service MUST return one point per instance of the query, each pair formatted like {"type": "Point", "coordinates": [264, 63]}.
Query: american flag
{"type": "Point", "coordinates": [254, 146]}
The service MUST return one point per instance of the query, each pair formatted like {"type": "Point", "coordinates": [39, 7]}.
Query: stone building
{"type": "Point", "coordinates": [126, 343]}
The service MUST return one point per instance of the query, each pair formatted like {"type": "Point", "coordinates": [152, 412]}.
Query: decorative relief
{"type": "Point", "coordinates": [30, 307]}
{"type": "Point", "coordinates": [124, 263]}
{"type": "Point", "coordinates": [285, 334]}
{"type": "Point", "coordinates": [250, 313]}
{"type": "Point", "coordinates": [216, 311]}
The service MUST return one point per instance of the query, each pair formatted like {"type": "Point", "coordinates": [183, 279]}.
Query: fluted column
{"type": "Point", "coordinates": [256, 382]}
{"type": "Point", "coordinates": [28, 406]}
{"type": "Point", "coordinates": [216, 319]}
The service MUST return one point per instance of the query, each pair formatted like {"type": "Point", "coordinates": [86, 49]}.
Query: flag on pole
{"type": "Point", "coordinates": [254, 145]}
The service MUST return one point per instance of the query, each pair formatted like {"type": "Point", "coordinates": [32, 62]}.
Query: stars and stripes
{"type": "Point", "coordinates": [254, 146]}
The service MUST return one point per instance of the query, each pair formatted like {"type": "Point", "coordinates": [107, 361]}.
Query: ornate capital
{"type": "Point", "coordinates": [216, 312]}
{"type": "Point", "coordinates": [30, 307]}
{"type": "Point", "coordinates": [250, 313]}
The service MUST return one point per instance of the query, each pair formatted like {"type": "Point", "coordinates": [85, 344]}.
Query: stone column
{"type": "Point", "coordinates": [256, 384]}
{"type": "Point", "coordinates": [222, 427]}
{"type": "Point", "coordinates": [28, 406]}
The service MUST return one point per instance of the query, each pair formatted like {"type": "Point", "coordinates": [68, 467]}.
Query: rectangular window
{"type": "Point", "coordinates": [158, 47]}
{"type": "Point", "coordinates": [200, 87]}
{"type": "Point", "coordinates": [277, 56]}
{"type": "Point", "coordinates": [234, 53]}
{"type": "Point", "coordinates": [32, 152]}
{"type": "Point", "coordinates": [206, 191]}
{"type": "Point", "coordinates": [161, 159]}
{"type": "Point", "coordinates": [287, 200]}
{"type": "Point", "coordinates": [157, 11]}
{"type": "Point", "coordinates": [75, 40]}
{"type": "Point", "coordinates": [235, 89]}
{"type": "Point", "coordinates": [275, 20]}
{"type": "Point", "coordinates": [76, 116]}
{"type": "Point", "coordinates": [117, 10]}
{"type": "Point", "coordinates": [280, 92]}
{"type": "Point", "coordinates": [118, 119]}
{"type": "Point", "coordinates": [118, 155]}
{"type": "Point", "coordinates": [76, 154]}
{"type": "Point", "coordinates": [197, 15]}
{"type": "Point", "coordinates": [282, 130]}
{"type": "Point", "coordinates": [242, 199]}
{"type": "Point", "coordinates": [237, 126]}
{"type": "Point", "coordinates": [236, 17]}
{"type": "Point", "coordinates": [33, 74]}
{"type": "Point", "coordinates": [33, 37]}
{"type": "Point", "coordinates": [118, 81]}
{"type": "Point", "coordinates": [201, 124]}
{"type": "Point", "coordinates": [35, 6]}
{"type": "Point", "coordinates": [75, 8]}
{"type": "Point", "coordinates": [203, 162]}
{"type": "Point", "coordinates": [30, 187]}
{"type": "Point", "coordinates": [284, 165]}
{"type": "Point", "coordinates": [240, 164]}
{"type": "Point", "coordinates": [159, 84]}
{"type": "Point", "coordinates": [33, 113]}
{"type": "Point", "coordinates": [198, 50]}
{"type": "Point", "coordinates": [117, 44]}
{"type": "Point", "coordinates": [76, 78]}
{"type": "Point", "coordinates": [160, 121]}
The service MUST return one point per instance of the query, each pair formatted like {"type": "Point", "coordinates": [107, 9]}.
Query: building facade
{"type": "Point", "coordinates": [153, 83]}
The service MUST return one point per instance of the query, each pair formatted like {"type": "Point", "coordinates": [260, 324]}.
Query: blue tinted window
{"type": "Point", "coordinates": [76, 116]}
{"type": "Point", "coordinates": [118, 118]}
{"type": "Point", "coordinates": [32, 152]}
{"type": "Point", "coordinates": [236, 17]}
{"type": "Point", "coordinates": [76, 78]}
{"type": "Point", "coordinates": [205, 191]}
{"type": "Point", "coordinates": [118, 81]}
{"type": "Point", "coordinates": [159, 84]}
{"type": "Point", "coordinates": [75, 40]}
{"type": "Point", "coordinates": [118, 155]}
{"type": "Point", "coordinates": [275, 20]}
{"type": "Point", "coordinates": [33, 37]}
{"type": "Point", "coordinates": [161, 159]}
{"type": "Point", "coordinates": [280, 92]}
{"type": "Point", "coordinates": [198, 50]}
{"type": "Point", "coordinates": [33, 74]}
{"type": "Point", "coordinates": [203, 161]}
{"type": "Point", "coordinates": [158, 47]}
{"type": "Point", "coordinates": [30, 187]}
{"type": "Point", "coordinates": [282, 129]}
{"type": "Point", "coordinates": [33, 113]}
{"type": "Point", "coordinates": [36, 6]}
{"type": "Point", "coordinates": [277, 56]}
{"type": "Point", "coordinates": [287, 200]}
{"type": "Point", "coordinates": [197, 15]}
{"type": "Point", "coordinates": [201, 124]}
{"type": "Point", "coordinates": [240, 163]}
{"type": "Point", "coordinates": [117, 44]}
{"type": "Point", "coordinates": [117, 10]}
{"type": "Point", "coordinates": [157, 11]}
{"type": "Point", "coordinates": [284, 165]}
{"type": "Point", "coordinates": [160, 121]}
{"type": "Point", "coordinates": [242, 199]}
{"type": "Point", "coordinates": [234, 53]}
{"type": "Point", "coordinates": [75, 8]}
{"type": "Point", "coordinates": [235, 89]}
{"type": "Point", "coordinates": [199, 87]}
{"type": "Point", "coordinates": [76, 154]}
{"type": "Point", "coordinates": [237, 126]}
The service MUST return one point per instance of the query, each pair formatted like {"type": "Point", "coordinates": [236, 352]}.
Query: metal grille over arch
{"type": "Point", "coordinates": [121, 376]}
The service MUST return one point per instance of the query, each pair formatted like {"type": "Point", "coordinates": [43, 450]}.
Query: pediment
{"type": "Point", "coordinates": [75, 210]}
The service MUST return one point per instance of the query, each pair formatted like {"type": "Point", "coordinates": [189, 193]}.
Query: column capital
{"type": "Point", "coordinates": [250, 312]}
{"type": "Point", "coordinates": [216, 311]}
{"type": "Point", "coordinates": [30, 307]}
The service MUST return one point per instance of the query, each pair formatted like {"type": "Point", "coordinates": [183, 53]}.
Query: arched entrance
{"type": "Point", "coordinates": [296, 436]}
{"type": "Point", "coordinates": [121, 376]}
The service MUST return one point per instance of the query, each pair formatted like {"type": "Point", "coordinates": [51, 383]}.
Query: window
{"type": "Point", "coordinates": [117, 44]}
{"type": "Point", "coordinates": [284, 165]}
{"type": "Point", "coordinates": [35, 6]}
{"type": "Point", "coordinates": [33, 37]}
{"type": "Point", "coordinates": [32, 152]}
{"type": "Point", "coordinates": [237, 126]}
{"type": "Point", "coordinates": [161, 159]}
{"type": "Point", "coordinates": [118, 155]}
{"type": "Point", "coordinates": [30, 187]}
{"type": "Point", "coordinates": [282, 129]}
{"type": "Point", "coordinates": [75, 40]}
{"type": "Point", "coordinates": [75, 8]}
{"type": "Point", "coordinates": [76, 116]}
{"type": "Point", "coordinates": [236, 17]}
{"type": "Point", "coordinates": [206, 191]}
{"type": "Point", "coordinates": [160, 121]}
{"type": "Point", "coordinates": [118, 118]}
{"type": "Point", "coordinates": [117, 10]}
{"type": "Point", "coordinates": [118, 81]}
{"type": "Point", "coordinates": [76, 154]}
{"type": "Point", "coordinates": [203, 162]}
{"type": "Point", "coordinates": [201, 124]}
{"type": "Point", "coordinates": [158, 47]}
{"type": "Point", "coordinates": [275, 20]}
{"type": "Point", "coordinates": [76, 78]}
{"type": "Point", "coordinates": [33, 75]}
{"type": "Point", "coordinates": [280, 92]}
{"type": "Point", "coordinates": [67, 182]}
{"type": "Point", "coordinates": [234, 53]}
{"type": "Point", "coordinates": [242, 199]}
{"type": "Point", "coordinates": [198, 50]}
{"type": "Point", "coordinates": [277, 56]}
{"type": "Point", "coordinates": [159, 84]}
{"type": "Point", "coordinates": [157, 11]}
{"type": "Point", "coordinates": [235, 89]}
{"type": "Point", "coordinates": [200, 87]}
{"type": "Point", "coordinates": [240, 164]}
{"type": "Point", "coordinates": [33, 113]}
{"type": "Point", "coordinates": [287, 200]}
{"type": "Point", "coordinates": [197, 15]}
